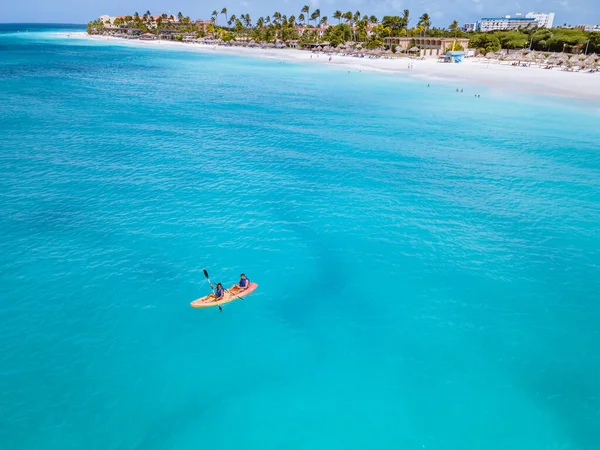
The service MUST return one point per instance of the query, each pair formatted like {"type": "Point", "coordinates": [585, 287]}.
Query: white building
{"type": "Point", "coordinates": [543, 20]}
{"type": "Point", "coordinates": [589, 28]}
{"type": "Point", "coordinates": [469, 27]}
{"type": "Point", "coordinates": [505, 23]}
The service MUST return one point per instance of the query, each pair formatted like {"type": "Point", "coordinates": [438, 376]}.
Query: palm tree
{"type": "Point", "coordinates": [260, 23]}
{"type": "Point", "coordinates": [306, 9]}
{"type": "Point", "coordinates": [373, 19]}
{"type": "Point", "coordinates": [454, 25]}
{"type": "Point", "coordinates": [232, 20]}
{"type": "Point", "coordinates": [356, 20]}
{"type": "Point", "coordinates": [268, 20]}
{"type": "Point", "coordinates": [338, 15]}
{"type": "Point", "coordinates": [214, 16]}
{"type": "Point", "coordinates": [348, 16]}
{"type": "Point", "coordinates": [405, 17]}
{"type": "Point", "coordinates": [425, 21]}
{"type": "Point", "coordinates": [315, 16]}
{"type": "Point", "coordinates": [180, 16]}
{"type": "Point", "coordinates": [224, 11]}
{"type": "Point", "coordinates": [324, 20]}
{"type": "Point", "coordinates": [276, 17]}
{"type": "Point", "coordinates": [301, 18]}
{"type": "Point", "coordinates": [136, 16]}
{"type": "Point", "coordinates": [247, 21]}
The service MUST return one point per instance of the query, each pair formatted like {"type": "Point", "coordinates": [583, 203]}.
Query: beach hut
{"type": "Point", "coordinates": [414, 49]}
{"type": "Point", "coordinates": [530, 57]}
{"type": "Point", "coordinates": [589, 60]}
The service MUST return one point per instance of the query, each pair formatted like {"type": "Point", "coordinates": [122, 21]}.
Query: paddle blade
{"type": "Point", "coordinates": [206, 274]}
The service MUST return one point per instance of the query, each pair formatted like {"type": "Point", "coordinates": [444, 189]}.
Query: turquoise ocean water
{"type": "Point", "coordinates": [428, 261]}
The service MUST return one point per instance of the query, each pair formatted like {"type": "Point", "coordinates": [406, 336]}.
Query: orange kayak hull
{"type": "Point", "coordinates": [231, 294]}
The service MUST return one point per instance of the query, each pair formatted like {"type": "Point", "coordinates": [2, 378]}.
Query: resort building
{"type": "Point", "coordinates": [428, 46]}
{"type": "Point", "coordinates": [589, 28]}
{"type": "Point", "coordinates": [505, 23]}
{"type": "Point", "coordinates": [542, 20]}
{"type": "Point", "coordinates": [203, 24]}
{"type": "Point", "coordinates": [318, 31]}
{"type": "Point", "coordinates": [469, 27]}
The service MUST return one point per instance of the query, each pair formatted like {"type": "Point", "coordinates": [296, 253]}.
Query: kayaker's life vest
{"type": "Point", "coordinates": [244, 282]}
{"type": "Point", "coordinates": [219, 292]}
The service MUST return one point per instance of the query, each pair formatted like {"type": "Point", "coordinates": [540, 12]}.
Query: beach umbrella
{"type": "Point", "coordinates": [553, 59]}
{"type": "Point", "coordinates": [414, 49]}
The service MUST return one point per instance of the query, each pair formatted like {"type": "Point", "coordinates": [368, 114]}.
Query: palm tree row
{"type": "Point", "coordinates": [308, 26]}
{"type": "Point", "coordinates": [306, 17]}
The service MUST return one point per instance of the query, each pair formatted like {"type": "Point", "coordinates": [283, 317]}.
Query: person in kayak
{"type": "Point", "coordinates": [219, 292]}
{"type": "Point", "coordinates": [244, 282]}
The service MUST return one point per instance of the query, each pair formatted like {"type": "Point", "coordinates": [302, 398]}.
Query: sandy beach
{"type": "Point", "coordinates": [474, 71]}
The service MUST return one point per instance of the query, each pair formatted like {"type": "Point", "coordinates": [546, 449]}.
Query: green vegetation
{"type": "Point", "coordinates": [485, 43]}
{"type": "Point", "coordinates": [540, 39]}
{"type": "Point", "coordinates": [309, 27]}
{"type": "Point", "coordinates": [174, 26]}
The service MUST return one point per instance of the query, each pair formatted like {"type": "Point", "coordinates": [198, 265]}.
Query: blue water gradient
{"type": "Point", "coordinates": [428, 261]}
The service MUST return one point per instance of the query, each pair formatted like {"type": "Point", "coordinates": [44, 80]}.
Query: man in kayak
{"type": "Point", "coordinates": [244, 282]}
{"type": "Point", "coordinates": [219, 292]}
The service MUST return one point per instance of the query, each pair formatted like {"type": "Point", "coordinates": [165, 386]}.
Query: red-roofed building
{"type": "Point", "coordinates": [202, 24]}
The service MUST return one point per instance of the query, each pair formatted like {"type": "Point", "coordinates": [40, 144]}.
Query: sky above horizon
{"type": "Point", "coordinates": [442, 12]}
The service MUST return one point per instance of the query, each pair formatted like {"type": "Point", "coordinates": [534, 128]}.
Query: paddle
{"type": "Point", "coordinates": [210, 282]}
{"type": "Point", "coordinates": [233, 293]}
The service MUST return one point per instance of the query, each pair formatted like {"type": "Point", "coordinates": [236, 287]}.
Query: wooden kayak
{"type": "Point", "coordinates": [231, 294]}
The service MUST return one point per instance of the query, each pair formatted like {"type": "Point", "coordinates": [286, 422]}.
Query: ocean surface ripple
{"type": "Point", "coordinates": [428, 261]}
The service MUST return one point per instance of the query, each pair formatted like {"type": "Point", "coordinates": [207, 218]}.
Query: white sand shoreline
{"type": "Point", "coordinates": [502, 77]}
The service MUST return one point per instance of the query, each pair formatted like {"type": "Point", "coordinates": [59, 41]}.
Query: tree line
{"type": "Point", "coordinates": [355, 26]}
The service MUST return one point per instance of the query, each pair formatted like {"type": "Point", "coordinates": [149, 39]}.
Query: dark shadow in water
{"type": "Point", "coordinates": [572, 398]}
{"type": "Point", "coordinates": [326, 278]}
{"type": "Point", "coordinates": [165, 427]}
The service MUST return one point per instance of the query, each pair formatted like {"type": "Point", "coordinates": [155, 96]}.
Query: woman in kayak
{"type": "Point", "coordinates": [244, 282]}
{"type": "Point", "coordinates": [219, 292]}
